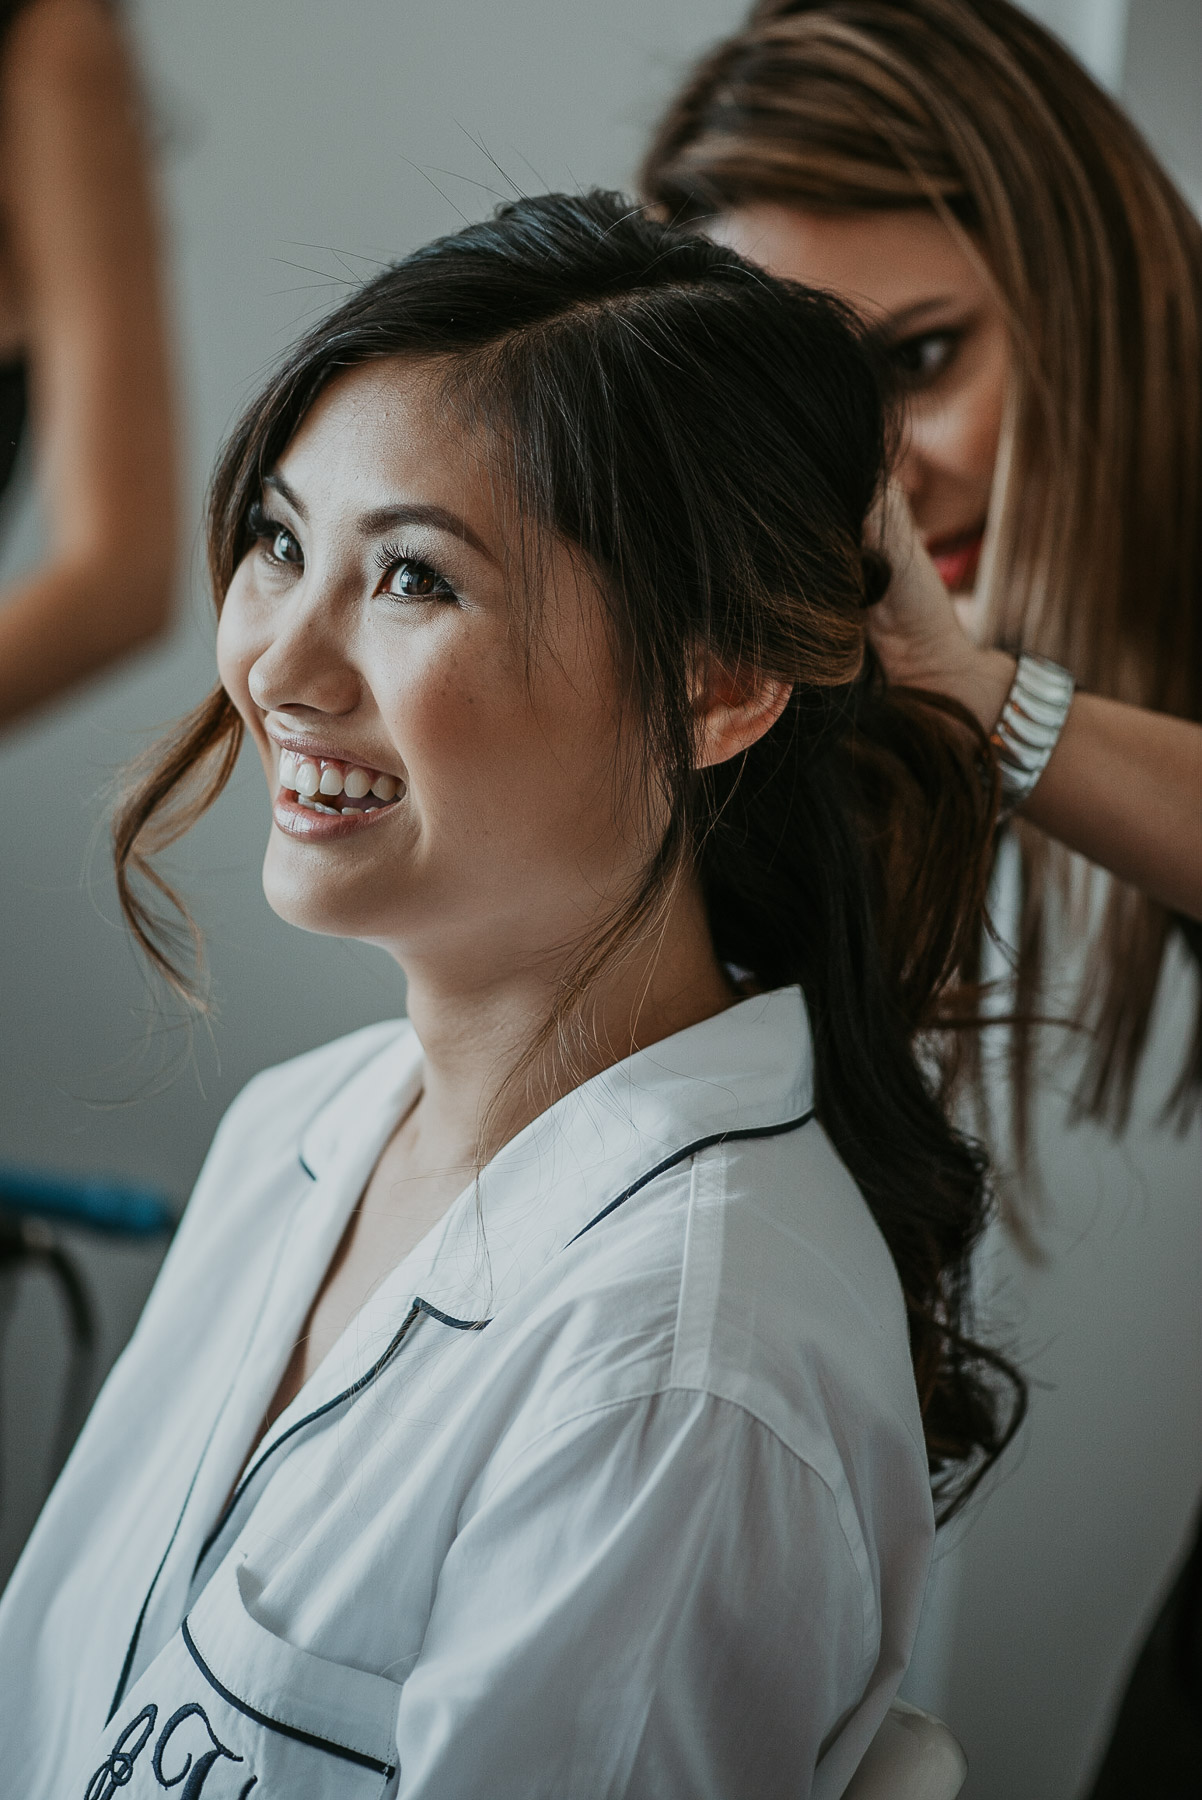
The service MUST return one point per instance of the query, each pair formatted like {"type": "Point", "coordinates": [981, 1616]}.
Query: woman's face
{"type": "Point", "coordinates": [944, 330]}
{"type": "Point", "coordinates": [441, 783]}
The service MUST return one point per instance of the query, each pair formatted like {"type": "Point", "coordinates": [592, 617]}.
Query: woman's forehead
{"type": "Point", "coordinates": [381, 435]}
{"type": "Point", "coordinates": [882, 262]}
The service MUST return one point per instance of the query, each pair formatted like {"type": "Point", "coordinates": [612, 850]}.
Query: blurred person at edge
{"type": "Point", "coordinates": [83, 336]}
{"type": "Point", "coordinates": [1036, 281]}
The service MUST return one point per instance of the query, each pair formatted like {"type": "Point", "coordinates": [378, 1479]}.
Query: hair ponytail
{"type": "Point", "coordinates": [819, 870]}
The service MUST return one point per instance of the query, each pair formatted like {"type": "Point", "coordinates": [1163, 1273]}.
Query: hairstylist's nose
{"type": "Point", "coordinates": [302, 670]}
{"type": "Point", "coordinates": [912, 471]}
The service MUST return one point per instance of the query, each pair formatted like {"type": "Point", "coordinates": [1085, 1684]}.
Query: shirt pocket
{"type": "Point", "coordinates": [229, 1711]}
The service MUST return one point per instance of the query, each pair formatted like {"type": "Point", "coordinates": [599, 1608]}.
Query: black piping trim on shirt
{"type": "Point", "coordinates": [456, 1324]}
{"type": "Point", "coordinates": [319, 1412]}
{"type": "Point", "coordinates": [350, 1393]}
{"type": "Point", "coordinates": [119, 1694]}
{"type": "Point", "coordinates": [351, 1075]}
{"type": "Point", "coordinates": [131, 1649]}
{"type": "Point", "coordinates": [694, 1149]}
{"type": "Point", "coordinates": [293, 1731]}
{"type": "Point", "coordinates": [423, 1306]}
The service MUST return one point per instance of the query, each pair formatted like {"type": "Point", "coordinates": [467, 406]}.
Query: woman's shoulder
{"type": "Point", "coordinates": [791, 1302]}
{"type": "Point", "coordinates": [754, 1274]}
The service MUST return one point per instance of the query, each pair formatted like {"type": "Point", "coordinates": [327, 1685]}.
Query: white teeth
{"type": "Point", "coordinates": [318, 807]}
{"type": "Point", "coordinates": [304, 800]}
{"type": "Point", "coordinates": [306, 777]}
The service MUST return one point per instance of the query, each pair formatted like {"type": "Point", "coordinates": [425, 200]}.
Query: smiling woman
{"type": "Point", "coordinates": [545, 1395]}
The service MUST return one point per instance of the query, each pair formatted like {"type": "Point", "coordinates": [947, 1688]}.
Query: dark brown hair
{"type": "Point", "coordinates": [709, 440]}
{"type": "Point", "coordinates": [970, 107]}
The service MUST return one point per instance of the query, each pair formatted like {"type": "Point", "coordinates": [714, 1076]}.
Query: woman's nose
{"type": "Point", "coordinates": [305, 668]}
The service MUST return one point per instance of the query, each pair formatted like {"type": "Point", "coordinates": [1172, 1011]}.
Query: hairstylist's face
{"type": "Point", "coordinates": [944, 330]}
{"type": "Point", "coordinates": [441, 784]}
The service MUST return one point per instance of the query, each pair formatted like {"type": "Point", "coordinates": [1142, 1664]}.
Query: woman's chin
{"type": "Point", "coordinates": [321, 904]}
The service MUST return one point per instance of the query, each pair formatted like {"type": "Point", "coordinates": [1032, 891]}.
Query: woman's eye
{"type": "Point", "coordinates": [409, 579]}
{"type": "Point", "coordinates": [274, 539]}
{"type": "Point", "coordinates": [285, 548]}
{"type": "Point", "coordinates": [921, 360]}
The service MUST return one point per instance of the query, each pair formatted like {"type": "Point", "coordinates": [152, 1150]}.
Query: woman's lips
{"type": "Point", "coordinates": [323, 798]}
{"type": "Point", "coordinates": [301, 821]}
{"type": "Point", "coordinates": [957, 559]}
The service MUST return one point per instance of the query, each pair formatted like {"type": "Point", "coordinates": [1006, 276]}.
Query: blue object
{"type": "Point", "coordinates": [109, 1206]}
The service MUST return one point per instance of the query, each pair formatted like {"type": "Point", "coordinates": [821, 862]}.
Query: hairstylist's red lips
{"type": "Point", "coordinates": [957, 558]}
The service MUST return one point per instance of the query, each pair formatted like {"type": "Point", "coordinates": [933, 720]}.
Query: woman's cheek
{"type": "Point", "coordinates": [235, 651]}
{"type": "Point", "coordinates": [980, 405]}
{"type": "Point", "coordinates": [982, 429]}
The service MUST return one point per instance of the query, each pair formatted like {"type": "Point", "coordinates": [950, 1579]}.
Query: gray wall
{"type": "Point", "coordinates": [301, 140]}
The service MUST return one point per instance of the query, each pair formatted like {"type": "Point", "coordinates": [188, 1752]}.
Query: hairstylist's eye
{"type": "Point", "coordinates": [275, 540]}
{"type": "Point", "coordinates": [920, 361]}
{"type": "Point", "coordinates": [407, 577]}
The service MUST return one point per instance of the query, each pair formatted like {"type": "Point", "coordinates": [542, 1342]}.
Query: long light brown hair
{"type": "Point", "coordinates": [1094, 553]}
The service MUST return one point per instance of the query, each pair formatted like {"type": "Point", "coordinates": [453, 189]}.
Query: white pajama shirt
{"type": "Point", "coordinates": [614, 1487]}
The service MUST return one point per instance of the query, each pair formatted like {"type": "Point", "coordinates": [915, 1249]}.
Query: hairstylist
{"type": "Point", "coordinates": [1124, 787]}
{"type": "Point", "coordinates": [1037, 282]}
{"type": "Point", "coordinates": [83, 331]}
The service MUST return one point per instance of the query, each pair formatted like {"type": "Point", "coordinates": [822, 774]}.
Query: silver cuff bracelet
{"type": "Point", "coordinates": [1030, 726]}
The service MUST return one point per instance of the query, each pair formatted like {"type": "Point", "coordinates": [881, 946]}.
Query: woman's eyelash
{"type": "Point", "coordinates": [925, 355]}
{"type": "Point", "coordinates": [392, 556]}
{"type": "Point", "coordinates": [266, 533]}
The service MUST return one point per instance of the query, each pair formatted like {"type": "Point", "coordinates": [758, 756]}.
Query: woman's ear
{"type": "Point", "coordinates": [733, 709]}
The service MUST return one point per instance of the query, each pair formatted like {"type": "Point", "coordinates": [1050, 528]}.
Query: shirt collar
{"type": "Point", "coordinates": [745, 1070]}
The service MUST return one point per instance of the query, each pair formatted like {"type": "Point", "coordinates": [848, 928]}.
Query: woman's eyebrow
{"type": "Point", "coordinates": [278, 485]}
{"type": "Point", "coordinates": [438, 518]}
{"type": "Point", "coordinates": [906, 317]}
{"type": "Point", "coordinates": [387, 518]}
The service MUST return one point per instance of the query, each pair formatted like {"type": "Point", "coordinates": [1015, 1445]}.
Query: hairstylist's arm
{"type": "Point", "coordinates": [82, 242]}
{"type": "Point", "coordinates": [1123, 786]}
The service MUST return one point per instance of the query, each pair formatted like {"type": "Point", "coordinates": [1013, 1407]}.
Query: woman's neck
{"type": "Point", "coordinates": [491, 1067]}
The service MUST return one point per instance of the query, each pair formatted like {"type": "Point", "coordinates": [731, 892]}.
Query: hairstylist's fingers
{"type": "Point", "coordinates": [913, 627]}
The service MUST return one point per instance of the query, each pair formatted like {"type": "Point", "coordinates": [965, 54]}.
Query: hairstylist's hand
{"type": "Point", "coordinates": [914, 627]}
{"type": "Point", "coordinates": [1122, 784]}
